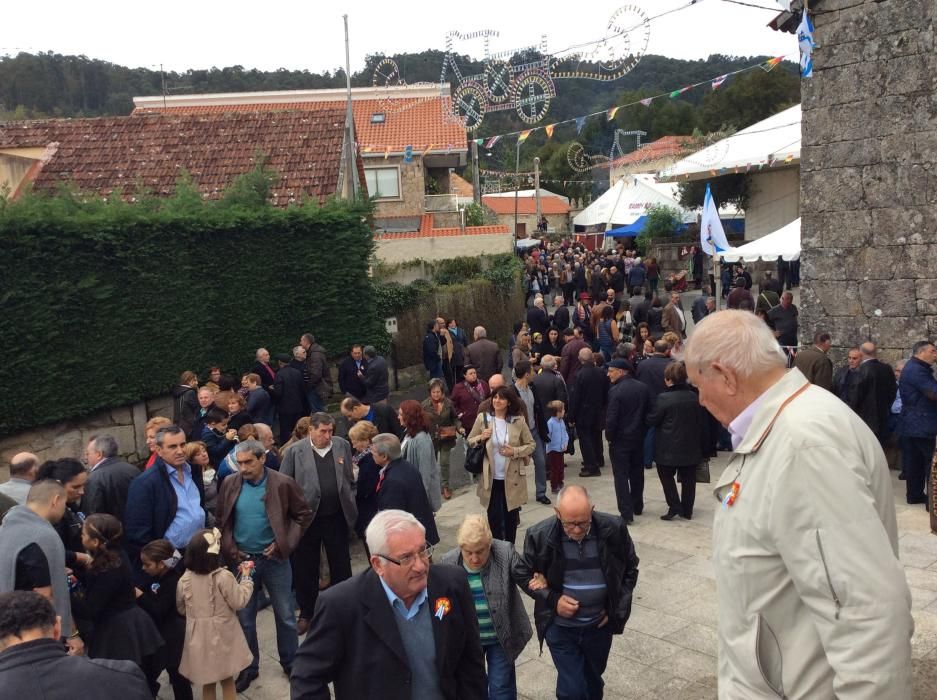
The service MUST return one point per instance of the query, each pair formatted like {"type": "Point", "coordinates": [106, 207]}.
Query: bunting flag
{"type": "Point", "coordinates": [647, 101]}
{"type": "Point", "coordinates": [612, 112]}
{"type": "Point", "coordinates": [549, 129]}
{"type": "Point", "coordinates": [717, 83]}
{"type": "Point", "coordinates": [579, 123]}
{"type": "Point", "coordinates": [807, 45]}
{"type": "Point", "coordinates": [480, 141]}
{"type": "Point", "coordinates": [386, 152]}
{"type": "Point", "coordinates": [492, 141]}
{"type": "Point", "coordinates": [523, 136]}
{"type": "Point", "coordinates": [677, 93]}
{"type": "Point", "coordinates": [429, 148]}
{"type": "Point", "coordinates": [712, 236]}
{"type": "Point", "coordinates": [768, 65]}
{"type": "Point", "coordinates": [789, 159]}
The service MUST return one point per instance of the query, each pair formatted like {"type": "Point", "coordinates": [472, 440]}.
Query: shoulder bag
{"type": "Point", "coordinates": [475, 454]}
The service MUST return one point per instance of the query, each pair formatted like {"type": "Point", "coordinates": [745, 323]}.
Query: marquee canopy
{"type": "Point", "coordinates": [627, 201]}
{"type": "Point", "coordinates": [784, 243]}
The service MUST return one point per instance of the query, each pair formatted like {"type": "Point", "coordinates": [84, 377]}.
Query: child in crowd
{"type": "Point", "coordinates": [209, 595]}
{"type": "Point", "coordinates": [121, 630]}
{"type": "Point", "coordinates": [163, 564]}
{"type": "Point", "coordinates": [218, 438]}
{"type": "Point", "coordinates": [557, 444]}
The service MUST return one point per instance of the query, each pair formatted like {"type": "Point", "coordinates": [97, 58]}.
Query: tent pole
{"type": "Point", "coordinates": [717, 279]}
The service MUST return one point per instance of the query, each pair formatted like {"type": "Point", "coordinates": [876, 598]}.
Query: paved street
{"type": "Point", "coordinates": [668, 650]}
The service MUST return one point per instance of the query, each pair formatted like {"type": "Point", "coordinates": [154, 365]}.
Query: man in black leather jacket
{"type": "Point", "coordinates": [590, 567]}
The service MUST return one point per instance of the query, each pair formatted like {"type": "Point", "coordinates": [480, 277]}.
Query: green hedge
{"type": "Point", "coordinates": [105, 304]}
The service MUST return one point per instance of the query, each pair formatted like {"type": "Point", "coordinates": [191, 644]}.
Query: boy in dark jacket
{"type": "Point", "coordinates": [216, 436]}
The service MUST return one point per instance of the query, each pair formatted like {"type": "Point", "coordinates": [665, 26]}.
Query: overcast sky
{"type": "Point", "coordinates": [296, 35]}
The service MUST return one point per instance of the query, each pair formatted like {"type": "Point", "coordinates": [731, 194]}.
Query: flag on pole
{"type": "Point", "coordinates": [523, 136]}
{"type": "Point", "coordinates": [647, 101]}
{"type": "Point", "coordinates": [768, 65]}
{"type": "Point", "coordinates": [712, 237]}
{"type": "Point", "coordinates": [580, 121]}
{"type": "Point", "coordinates": [549, 129]}
{"type": "Point", "coordinates": [807, 45]}
{"type": "Point", "coordinates": [717, 83]}
{"type": "Point", "coordinates": [492, 141]}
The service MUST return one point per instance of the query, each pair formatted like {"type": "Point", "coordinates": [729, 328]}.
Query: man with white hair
{"type": "Point", "coordinates": [484, 355]}
{"type": "Point", "coordinates": [402, 629]}
{"type": "Point", "coordinates": [813, 602]}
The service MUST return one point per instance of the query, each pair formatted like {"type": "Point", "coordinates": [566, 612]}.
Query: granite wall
{"type": "Point", "coordinates": [868, 176]}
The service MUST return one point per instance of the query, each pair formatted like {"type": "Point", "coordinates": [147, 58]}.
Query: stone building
{"type": "Point", "coordinates": [868, 175]}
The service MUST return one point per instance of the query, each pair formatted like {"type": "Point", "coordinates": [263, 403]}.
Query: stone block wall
{"type": "Point", "coordinates": [869, 175]}
{"type": "Point", "coordinates": [68, 438]}
{"type": "Point", "coordinates": [412, 187]}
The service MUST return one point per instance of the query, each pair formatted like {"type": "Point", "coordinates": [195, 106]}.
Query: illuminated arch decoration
{"type": "Point", "coordinates": [582, 162]}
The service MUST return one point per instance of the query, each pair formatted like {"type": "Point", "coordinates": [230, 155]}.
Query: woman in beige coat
{"type": "Point", "coordinates": [208, 595]}
{"type": "Point", "coordinates": [502, 486]}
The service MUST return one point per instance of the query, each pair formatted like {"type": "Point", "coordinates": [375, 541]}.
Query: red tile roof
{"type": "Point", "coordinates": [417, 122]}
{"type": "Point", "coordinates": [427, 231]}
{"type": "Point", "coordinates": [664, 147]}
{"type": "Point", "coordinates": [526, 205]}
{"type": "Point", "coordinates": [121, 154]}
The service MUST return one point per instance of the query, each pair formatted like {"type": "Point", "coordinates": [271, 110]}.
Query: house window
{"type": "Point", "coordinates": [378, 118]}
{"type": "Point", "coordinates": [383, 183]}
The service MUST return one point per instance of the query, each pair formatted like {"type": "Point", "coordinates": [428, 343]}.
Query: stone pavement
{"type": "Point", "coordinates": [668, 650]}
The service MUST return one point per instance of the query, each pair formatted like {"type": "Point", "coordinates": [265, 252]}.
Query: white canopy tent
{"type": "Point", "coordinates": [628, 200]}
{"type": "Point", "coordinates": [784, 243]}
{"type": "Point", "coordinates": [771, 143]}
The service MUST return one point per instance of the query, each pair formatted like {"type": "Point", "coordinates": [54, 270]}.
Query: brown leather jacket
{"type": "Point", "coordinates": [287, 510]}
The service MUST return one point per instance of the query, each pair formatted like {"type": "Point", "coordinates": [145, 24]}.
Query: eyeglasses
{"type": "Point", "coordinates": [408, 560]}
{"type": "Point", "coordinates": [571, 524]}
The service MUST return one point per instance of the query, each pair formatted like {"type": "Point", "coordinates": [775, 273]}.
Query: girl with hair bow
{"type": "Point", "coordinates": [209, 596]}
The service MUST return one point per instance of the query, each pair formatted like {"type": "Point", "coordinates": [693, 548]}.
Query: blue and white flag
{"type": "Point", "coordinates": [807, 45]}
{"type": "Point", "coordinates": [711, 236]}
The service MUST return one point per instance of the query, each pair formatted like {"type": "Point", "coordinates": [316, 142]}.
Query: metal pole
{"type": "Point", "coordinates": [349, 120]}
{"type": "Point", "coordinates": [537, 187]}
{"type": "Point", "coordinates": [477, 189]}
{"type": "Point", "coordinates": [517, 187]}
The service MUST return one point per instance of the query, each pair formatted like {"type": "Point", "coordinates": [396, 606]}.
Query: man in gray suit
{"type": "Point", "coordinates": [108, 480]}
{"type": "Point", "coordinates": [484, 355]}
{"type": "Point", "coordinates": [322, 467]}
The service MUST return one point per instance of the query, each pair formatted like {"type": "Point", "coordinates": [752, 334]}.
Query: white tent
{"type": "Point", "coordinates": [628, 200]}
{"type": "Point", "coordinates": [771, 143]}
{"type": "Point", "coordinates": [784, 243]}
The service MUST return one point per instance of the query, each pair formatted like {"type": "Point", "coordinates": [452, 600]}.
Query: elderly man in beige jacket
{"type": "Point", "coordinates": [813, 602]}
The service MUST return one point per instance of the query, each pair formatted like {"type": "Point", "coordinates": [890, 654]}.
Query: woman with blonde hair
{"type": "Point", "coordinates": [494, 573]}
{"type": "Point", "coordinates": [150, 430]}
{"type": "Point", "coordinates": [300, 432]}
{"type": "Point", "coordinates": [367, 473]}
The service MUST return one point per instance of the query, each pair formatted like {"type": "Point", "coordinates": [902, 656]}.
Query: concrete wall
{"type": "Point", "coordinates": [68, 438]}
{"type": "Point", "coordinates": [556, 223]}
{"type": "Point", "coordinates": [775, 202]}
{"type": "Point", "coordinates": [397, 250]}
{"type": "Point", "coordinates": [868, 164]}
{"type": "Point", "coordinates": [13, 169]}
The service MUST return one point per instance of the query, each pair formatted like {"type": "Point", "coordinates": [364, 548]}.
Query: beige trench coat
{"type": "Point", "coordinates": [515, 475]}
{"type": "Point", "coordinates": [215, 647]}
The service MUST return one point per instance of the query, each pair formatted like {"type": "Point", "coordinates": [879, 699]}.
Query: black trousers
{"type": "Point", "coordinates": [503, 522]}
{"type": "Point", "coordinates": [331, 531]}
{"type": "Point", "coordinates": [288, 421]}
{"type": "Point", "coordinates": [916, 456]}
{"type": "Point", "coordinates": [682, 504]}
{"type": "Point", "coordinates": [599, 442]}
{"type": "Point", "coordinates": [628, 470]}
{"type": "Point", "coordinates": [588, 445]}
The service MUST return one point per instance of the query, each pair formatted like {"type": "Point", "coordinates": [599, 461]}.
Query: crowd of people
{"type": "Point", "coordinates": [251, 487]}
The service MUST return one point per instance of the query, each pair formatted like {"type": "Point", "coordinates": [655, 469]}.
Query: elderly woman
{"type": "Point", "coordinates": [502, 488]}
{"type": "Point", "coordinates": [444, 426]}
{"type": "Point", "coordinates": [494, 572]}
{"type": "Point", "coordinates": [367, 473]}
{"type": "Point", "coordinates": [236, 406]}
{"type": "Point", "coordinates": [417, 448]}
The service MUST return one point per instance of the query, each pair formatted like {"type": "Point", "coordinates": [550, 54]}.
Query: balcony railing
{"type": "Point", "coordinates": [445, 202]}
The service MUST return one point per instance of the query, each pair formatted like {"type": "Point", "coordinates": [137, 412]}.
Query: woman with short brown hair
{"type": "Point", "coordinates": [417, 448]}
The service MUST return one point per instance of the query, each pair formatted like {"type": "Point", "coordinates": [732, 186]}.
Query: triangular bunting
{"type": "Point", "coordinates": [768, 65]}
{"type": "Point", "coordinates": [717, 83]}
{"type": "Point", "coordinates": [549, 129]}
{"type": "Point", "coordinates": [612, 112]}
{"type": "Point", "coordinates": [579, 123]}
{"type": "Point", "coordinates": [523, 136]}
{"type": "Point", "coordinates": [647, 101]}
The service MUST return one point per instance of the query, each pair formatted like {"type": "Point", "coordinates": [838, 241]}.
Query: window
{"type": "Point", "coordinates": [383, 183]}
{"type": "Point", "coordinates": [378, 118]}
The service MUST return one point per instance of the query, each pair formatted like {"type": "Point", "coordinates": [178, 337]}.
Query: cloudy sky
{"type": "Point", "coordinates": [295, 35]}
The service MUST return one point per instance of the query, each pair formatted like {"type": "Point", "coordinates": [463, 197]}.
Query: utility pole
{"type": "Point", "coordinates": [537, 187]}
{"type": "Point", "coordinates": [350, 169]}
{"type": "Point", "coordinates": [477, 189]}
{"type": "Point", "coordinates": [517, 187]}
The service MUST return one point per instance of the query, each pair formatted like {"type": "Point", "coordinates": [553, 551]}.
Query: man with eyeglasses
{"type": "Point", "coordinates": [402, 630]}
{"type": "Point", "coordinates": [591, 569]}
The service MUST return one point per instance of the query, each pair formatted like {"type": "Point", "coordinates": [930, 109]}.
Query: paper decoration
{"type": "Point", "coordinates": [717, 83]}
{"type": "Point", "coordinates": [428, 148]}
{"type": "Point", "coordinates": [523, 136]}
{"type": "Point", "coordinates": [768, 65]}
{"type": "Point", "coordinates": [549, 129]}
{"type": "Point", "coordinates": [647, 101]}
{"type": "Point", "coordinates": [579, 123]}
{"type": "Point", "coordinates": [492, 141]}
{"type": "Point", "coordinates": [679, 92]}
{"type": "Point", "coordinates": [612, 112]}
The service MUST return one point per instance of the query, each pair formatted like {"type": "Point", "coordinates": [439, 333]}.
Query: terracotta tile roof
{"type": "Point", "coordinates": [664, 147]}
{"type": "Point", "coordinates": [427, 231]}
{"type": "Point", "coordinates": [460, 186]}
{"type": "Point", "coordinates": [526, 205]}
{"type": "Point", "coordinates": [416, 122]}
{"type": "Point", "coordinates": [119, 154]}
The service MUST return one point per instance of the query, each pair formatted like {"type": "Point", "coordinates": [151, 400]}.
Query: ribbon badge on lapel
{"type": "Point", "coordinates": [443, 606]}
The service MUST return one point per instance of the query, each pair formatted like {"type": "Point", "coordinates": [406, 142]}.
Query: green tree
{"type": "Point", "coordinates": [662, 222]}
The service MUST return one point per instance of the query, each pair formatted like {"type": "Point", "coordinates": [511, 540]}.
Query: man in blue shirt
{"type": "Point", "coordinates": [166, 501]}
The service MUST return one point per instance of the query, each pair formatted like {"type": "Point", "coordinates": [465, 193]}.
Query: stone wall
{"type": "Point", "coordinates": [412, 187]}
{"type": "Point", "coordinates": [68, 438]}
{"type": "Point", "coordinates": [868, 176]}
{"type": "Point", "coordinates": [398, 250]}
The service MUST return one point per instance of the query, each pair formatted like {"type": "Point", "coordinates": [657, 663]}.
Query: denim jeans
{"type": "Point", "coordinates": [315, 401]}
{"type": "Point", "coordinates": [580, 655]}
{"type": "Point", "coordinates": [540, 467]}
{"type": "Point", "coordinates": [649, 445]}
{"type": "Point", "coordinates": [277, 577]}
{"type": "Point", "coordinates": [502, 683]}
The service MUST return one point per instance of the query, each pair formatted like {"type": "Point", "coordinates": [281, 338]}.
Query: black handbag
{"type": "Point", "coordinates": [571, 445]}
{"type": "Point", "coordinates": [475, 454]}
